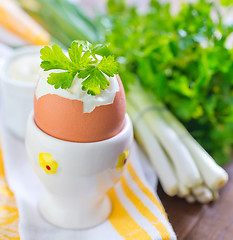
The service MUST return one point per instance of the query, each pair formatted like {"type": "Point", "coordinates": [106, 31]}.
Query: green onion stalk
{"type": "Point", "coordinates": [184, 168]}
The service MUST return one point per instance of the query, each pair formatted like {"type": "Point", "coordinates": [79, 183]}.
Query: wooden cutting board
{"type": "Point", "coordinates": [202, 222]}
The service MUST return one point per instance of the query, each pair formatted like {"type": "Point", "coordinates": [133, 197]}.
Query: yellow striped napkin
{"type": "Point", "coordinates": [9, 218]}
{"type": "Point", "coordinates": [137, 213]}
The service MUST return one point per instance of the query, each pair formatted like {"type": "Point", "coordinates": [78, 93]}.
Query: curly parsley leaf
{"type": "Point", "coordinates": [54, 58]}
{"type": "Point", "coordinates": [76, 55]}
{"type": "Point", "coordinates": [83, 62]}
{"type": "Point", "coordinates": [95, 80]}
{"type": "Point", "coordinates": [61, 80]}
{"type": "Point", "coordinates": [109, 66]}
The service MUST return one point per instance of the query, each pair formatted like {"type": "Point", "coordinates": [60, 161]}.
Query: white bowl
{"type": "Point", "coordinates": [17, 95]}
{"type": "Point", "coordinates": [75, 196]}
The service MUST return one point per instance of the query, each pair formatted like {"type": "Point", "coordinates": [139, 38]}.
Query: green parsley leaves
{"type": "Point", "coordinates": [82, 60]}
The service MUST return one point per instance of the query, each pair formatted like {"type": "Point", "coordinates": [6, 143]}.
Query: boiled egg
{"type": "Point", "coordinates": [73, 115]}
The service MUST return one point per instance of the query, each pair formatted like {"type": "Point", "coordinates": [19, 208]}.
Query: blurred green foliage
{"type": "Point", "coordinates": [226, 2]}
{"type": "Point", "coordinates": [64, 20]}
{"type": "Point", "coordinates": [183, 60]}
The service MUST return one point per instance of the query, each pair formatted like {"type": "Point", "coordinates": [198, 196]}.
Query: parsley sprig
{"type": "Point", "coordinates": [82, 60]}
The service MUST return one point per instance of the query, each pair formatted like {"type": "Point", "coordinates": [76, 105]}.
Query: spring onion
{"type": "Point", "coordinates": [154, 151]}
{"type": "Point", "coordinates": [198, 175]}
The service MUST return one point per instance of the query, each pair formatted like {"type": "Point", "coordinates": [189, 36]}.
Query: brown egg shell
{"type": "Point", "coordinates": [64, 118]}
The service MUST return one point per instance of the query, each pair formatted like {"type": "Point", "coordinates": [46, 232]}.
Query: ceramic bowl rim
{"type": "Point", "coordinates": [17, 53]}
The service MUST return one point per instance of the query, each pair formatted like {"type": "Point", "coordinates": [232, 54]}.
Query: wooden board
{"type": "Point", "coordinates": [208, 222]}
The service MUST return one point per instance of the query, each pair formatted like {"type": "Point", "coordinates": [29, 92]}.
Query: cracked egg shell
{"type": "Point", "coordinates": [64, 119]}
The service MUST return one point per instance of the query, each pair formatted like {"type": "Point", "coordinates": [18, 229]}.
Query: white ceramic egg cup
{"type": "Point", "coordinates": [76, 195]}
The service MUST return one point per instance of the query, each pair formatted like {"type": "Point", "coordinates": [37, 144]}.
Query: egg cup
{"type": "Point", "coordinates": [77, 176]}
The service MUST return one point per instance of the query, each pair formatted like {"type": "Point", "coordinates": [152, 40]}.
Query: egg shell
{"type": "Point", "coordinates": [64, 119]}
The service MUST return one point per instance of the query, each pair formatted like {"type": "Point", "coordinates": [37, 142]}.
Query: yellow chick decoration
{"type": "Point", "coordinates": [47, 163]}
{"type": "Point", "coordinates": [122, 159]}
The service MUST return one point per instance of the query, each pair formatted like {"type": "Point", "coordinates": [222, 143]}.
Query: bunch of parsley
{"type": "Point", "coordinates": [183, 60]}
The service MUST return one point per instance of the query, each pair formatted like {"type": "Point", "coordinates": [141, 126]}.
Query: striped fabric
{"type": "Point", "coordinates": [137, 213]}
{"type": "Point", "coordinates": [9, 218]}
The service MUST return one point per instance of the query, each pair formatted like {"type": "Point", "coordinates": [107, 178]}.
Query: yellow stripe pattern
{"type": "Point", "coordinates": [123, 222]}
{"type": "Point", "coordinates": [144, 210]}
{"type": "Point", "coordinates": [145, 189]}
{"type": "Point", "coordinates": [9, 217]}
